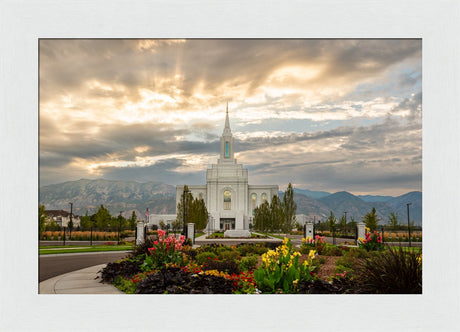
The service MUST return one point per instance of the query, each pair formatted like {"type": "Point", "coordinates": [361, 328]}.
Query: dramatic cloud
{"type": "Point", "coordinates": [324, 114]}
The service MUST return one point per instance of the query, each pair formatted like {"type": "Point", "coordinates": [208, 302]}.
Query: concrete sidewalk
{"type": "Point", "coordinates": [78, 282]}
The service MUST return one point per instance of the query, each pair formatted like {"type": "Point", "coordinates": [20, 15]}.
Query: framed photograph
{"type": "Point", "coordinates": [211, 119]}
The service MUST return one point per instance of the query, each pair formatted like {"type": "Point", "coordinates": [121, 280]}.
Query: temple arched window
{"type": "Point", "coordinates": [227, 200]}
{"type": "Point", "coordinates": [264, 197]}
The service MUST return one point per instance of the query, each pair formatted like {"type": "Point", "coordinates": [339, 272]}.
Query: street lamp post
{"type": "Point", "coordinates": [119, 226]}
{"type": "Point", "coordinates": [408, 222]}
{"type": "Point", "coordinates": [71, 223]}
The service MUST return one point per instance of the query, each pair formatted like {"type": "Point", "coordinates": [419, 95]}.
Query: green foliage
{"type": "Point", "coordinates": [162, 224]}
{"type": "Point", "coordinates": [281, 271]}
{"type": "Point", "coordinates": [167, 250]}
{"type": "Point", "coordinates": [372, 242]}
{"type": "Point", "coordinates": [289, 209]}
{"type": "Point", "coordinates": [205, 257]}
{"type": "Point", "coordinates": [85, 222]}
{"type": "Point", "coordinates": [342, 222]}
{"type": "Point", "coordinates": [262, 217]}
{"type": "Point", "coordinates": [125, 284]}
{"type": "Point", "coordinates": [132, 221]}
{"type": "Point", "coordinates": [331, 250]}
{"type": "Point", "coordinates": [102, 217]}
{"type": "Point", "coordinates": [393, 271]}
{"type": "Point", "coordinates": [371, 220]}
{"type": "Point", "coordinates": [195, 211]}
{"type": "Point", "coordinates": [331, 221]}
{"type": "Point", "coordinates": [228, 255]}
{"type": "Point", "coordinates": [248, 263]}
{"type": "Point", "coordinates": [393, 220]}
{"type": "Point", "coordinates": [276, 216]}
{"type": "Point", "coordinates": [251, 248]}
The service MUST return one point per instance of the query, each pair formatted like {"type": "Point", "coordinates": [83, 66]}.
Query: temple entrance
{"type": "Point", "coordinates": [227, 223]}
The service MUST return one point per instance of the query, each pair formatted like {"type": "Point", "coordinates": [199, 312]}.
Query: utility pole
{"type": "Point", "coordinates": [408, 222]}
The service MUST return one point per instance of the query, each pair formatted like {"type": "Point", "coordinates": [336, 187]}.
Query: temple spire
{"type": "Point", "coordinates": [227, 130]}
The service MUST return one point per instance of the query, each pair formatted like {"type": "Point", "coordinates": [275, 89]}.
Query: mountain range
{"type": "Point", "coordinates": [128, 196]}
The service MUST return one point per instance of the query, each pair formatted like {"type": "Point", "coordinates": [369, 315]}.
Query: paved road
{"type": "Point", "coordinates": [53, 265]}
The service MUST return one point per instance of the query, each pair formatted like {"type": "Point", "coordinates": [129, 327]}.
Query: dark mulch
{"type": "Point", "coordinates": [175, 281]}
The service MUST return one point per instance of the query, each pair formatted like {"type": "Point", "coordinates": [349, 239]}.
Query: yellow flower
{"type": "Point", "coordinates": [305, 263]}
{"type": "Point", "coordinates": [367, 229]}
{"type": "Point", "coordinates": [286, 240]}
{"type": "Point", "coordinates": [312, 253]}
{"type": "Point", "coordinates": [360, 239]}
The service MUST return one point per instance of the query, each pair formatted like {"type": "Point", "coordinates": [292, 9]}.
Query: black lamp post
{"type": "Point", "coordinates": [119, 226]}
{"type": "Point", "coordinates": [71, 223]}
{"type": "Point", "coordinates": [408, 222]}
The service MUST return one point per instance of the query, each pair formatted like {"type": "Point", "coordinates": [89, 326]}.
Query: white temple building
{"type": "Point", "coordinates": [229, 199]}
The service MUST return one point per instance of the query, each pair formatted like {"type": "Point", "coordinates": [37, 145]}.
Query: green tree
{"type": "Point", "coordinates": [132, 221]}
{"type": "Point", "coordinates": [102, 217]}
{"type": "Point", "coordinates": [289, 209]}
{"type": "Point", "coordinates": [332, 222]}
{"type": "Point", "coordinates": [41, 220]}
{"type": "Point", "coordinates": [188, 207]}
{"type": "Point", "coordinates": [195, 211]}
{"type": "Point", "coordinates": [352, 223]}
{"type": "Point", "coordinates": [199, 214]}
{"type": "Point", "coordinates": [342, 222]}
{"type": "Point", "coordinates": [371, 220]}
{"type": "Point", "coordinates": [85, 222]}
{"type": "Point", "coordinates": [393, 220]}
{"type": "Point", "coordinates": [276, 219]}
{"type": "Point", "coordinates": [162, 224]}
{"type": "Point", "coordinates": [262, 217]}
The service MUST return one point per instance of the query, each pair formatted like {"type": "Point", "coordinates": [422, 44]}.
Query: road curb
{"type": "Point", "coordinates": [78, 282]}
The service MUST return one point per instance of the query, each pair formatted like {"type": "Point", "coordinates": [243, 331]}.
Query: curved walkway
{"type": "Point", "coordinates": [78, 282]}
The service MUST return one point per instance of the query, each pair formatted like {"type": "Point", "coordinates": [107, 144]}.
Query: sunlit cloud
{"type": "Point", "coordinates": [310, 105]}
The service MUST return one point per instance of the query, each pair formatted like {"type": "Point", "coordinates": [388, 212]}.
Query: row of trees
{"type": "Point", "coordinates": [276, 216]}
{"type": "Point", "coordinates": [195, 211]}
{"type": "Point", "coordinates": [371, 221]}
{"type": "Point", "coordinates": [101, 220]}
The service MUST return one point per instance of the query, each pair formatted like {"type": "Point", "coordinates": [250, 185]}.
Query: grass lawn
{"type": "Point", "coordinates": [78, 249]}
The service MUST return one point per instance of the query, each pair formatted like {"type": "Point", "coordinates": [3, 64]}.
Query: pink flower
{"type": "Point", "coordinates": [161, 233]}
{"type": "Point", "coordinates": [182, 238]}
{"type": "Point", "coordinates": [155, 242]}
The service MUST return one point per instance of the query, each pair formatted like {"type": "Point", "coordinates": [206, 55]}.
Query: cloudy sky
{"type": "Point", "coordinates": [323, 114]}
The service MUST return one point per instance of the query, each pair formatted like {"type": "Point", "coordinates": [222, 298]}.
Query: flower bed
{"type": "Point", "coordinates": [167, 266]}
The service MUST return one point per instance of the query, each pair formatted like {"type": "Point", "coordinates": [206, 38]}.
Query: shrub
{"type": "Point", "coordinates": [164, 251]}
{"type": "Point", "coordinates": [228, 255]}
{"type": "Point", "coordinates": [143, 248]}
{"type": "Point", "coordinates": [175, 281]}
{"type": "Point", "coordinates": [230, 267]}
{"type": "Point", "coordinates": [394, 271]}
{"type": "Point", "coordinates": [372, 242]}
{"type": "Point", "coordinates": [248, 263]}
{"type": "Point", "coordinates": [205, 257]}
{"type": "Point", "coordinates": [331, 250]}
{"type": "Point", "coordinates": [246, 249]}
{"type": "Point", "coordinates": [318, 244]}
{"type": "Point", "coordinates": [127, 267]}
